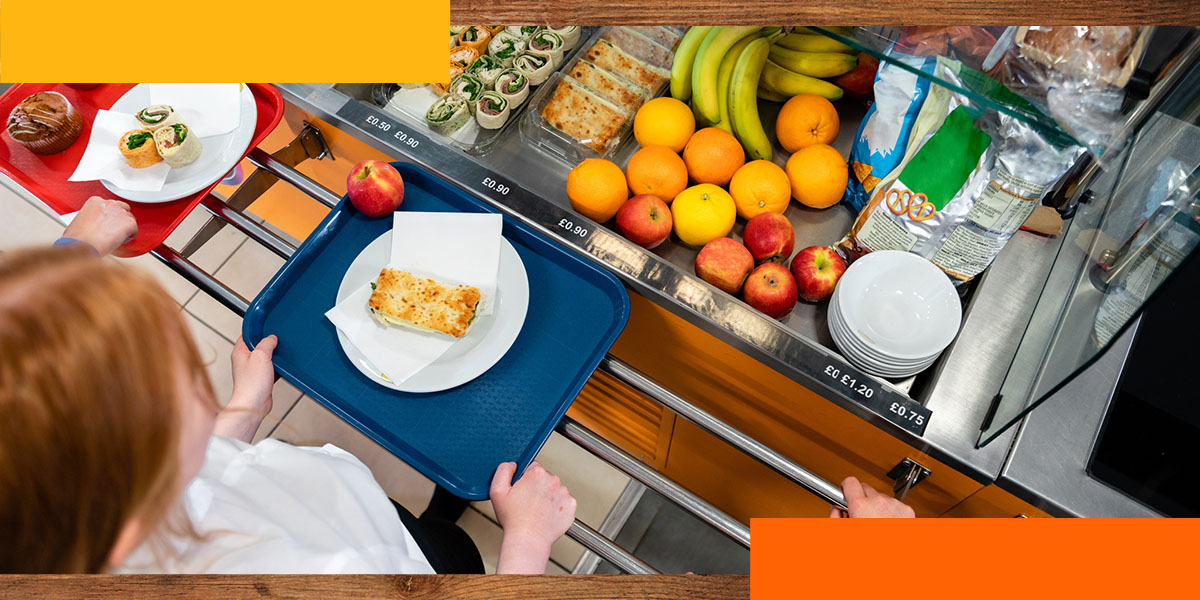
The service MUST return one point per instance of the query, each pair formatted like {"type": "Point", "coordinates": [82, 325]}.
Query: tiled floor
{"type": "Point", "coordinates": [246, 267]}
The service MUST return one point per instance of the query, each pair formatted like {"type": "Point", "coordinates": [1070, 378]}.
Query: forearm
{"type": "Point", "coordinates": [521, 555]}
{"type": "Point", "coordinates": [237, 424]}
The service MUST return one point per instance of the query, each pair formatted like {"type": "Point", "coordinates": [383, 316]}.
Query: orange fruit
{"type": "Point", "coordinates": [805, 120]}
{"type": "Point", "coordinates": [597, 189]}
{"type": "Point", "coordinates": [818, 175]}
{"type": "Point", "coordinates": [760, 186]}
{"type": "Point", "coordinates": [664, 122]}
{"type": "Point", "coordinates": [703, 213]}
{"type": "Point", "coordinates": [712, 156]}
{"type": "Point", "coordinates": [658, 171]}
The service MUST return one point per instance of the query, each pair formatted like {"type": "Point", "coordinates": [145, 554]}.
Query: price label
{"type": "Point", "coordinates": [389, 129]}
{"type": "Point", "coordinates": [900, 410]}
{"type": "Point", "coordinates": [496, 186]}
{"type": "Point", "coordinates": [864, 388]}
{"type": "Point", "coordinates": [904, 412]}
{"type": "Point", "coordinates": [573, 228]}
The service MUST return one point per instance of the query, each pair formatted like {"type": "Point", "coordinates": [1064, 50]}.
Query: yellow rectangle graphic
{"type": "Point", "coordinates": [223, 40]}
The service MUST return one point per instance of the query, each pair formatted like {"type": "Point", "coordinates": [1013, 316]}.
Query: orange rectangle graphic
{"type": "Point", "coordinates": [936, 559]}
{"type": "Point", "coordinates": [223, 40]}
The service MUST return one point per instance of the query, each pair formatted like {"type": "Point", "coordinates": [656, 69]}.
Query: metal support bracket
{"type": "Point", "coordinates": [308, 144]}
{"type": "Point", "coordinates": [907, 475]}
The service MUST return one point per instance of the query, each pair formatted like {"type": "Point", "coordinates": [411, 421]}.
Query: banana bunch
{"type": "Point", "coordinates": [724, 70]}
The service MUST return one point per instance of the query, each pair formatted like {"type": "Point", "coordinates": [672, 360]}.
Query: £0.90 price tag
{"type": "Point", "coordinates": [572, 228]}
{"type": "Point", "coordinates": [501, 189]}
{"type": "Point", "coordinates": [898, 409]}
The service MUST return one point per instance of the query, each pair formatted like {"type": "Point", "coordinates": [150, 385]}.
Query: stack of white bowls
{"type": "Point", "coordinates": [892, 313]}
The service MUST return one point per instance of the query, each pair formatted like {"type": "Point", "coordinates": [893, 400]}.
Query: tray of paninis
{"type": "Point", "coordinates": [497, 73]}
{"type": "Point", "coordinates": [160, 147]}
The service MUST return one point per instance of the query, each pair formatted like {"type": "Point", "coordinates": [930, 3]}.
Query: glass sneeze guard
{"type": "Point", "coordinates": [1137, 221]}
{"type": "Point", "coordinates": [1141, 223]}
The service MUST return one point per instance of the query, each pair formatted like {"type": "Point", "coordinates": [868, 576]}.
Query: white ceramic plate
{"type": "Point", "coordinates": [488, 340]}
{"type": "Point", "coordinates": [864, 358]}
{"type": "Point", "coordinates": [900, 304]}
{"type": "Point", "coordinates": [847, 340]}
{"type": "Point", "coordinates": [221, 153]}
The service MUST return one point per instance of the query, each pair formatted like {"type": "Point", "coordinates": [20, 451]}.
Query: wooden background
{"type": "Point", "coordinates": [363, 587]}
{"type": "Point", "coordinates": [827, 12]}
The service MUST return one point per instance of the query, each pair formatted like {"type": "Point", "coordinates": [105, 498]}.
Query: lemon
{"type": "Point", "coordinates": [664, 122]}
{"type": "Point", "coordinates": [703, 213]}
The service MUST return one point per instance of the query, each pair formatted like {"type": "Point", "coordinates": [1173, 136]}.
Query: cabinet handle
{"type": "Point", "coordinates": [907, 474]}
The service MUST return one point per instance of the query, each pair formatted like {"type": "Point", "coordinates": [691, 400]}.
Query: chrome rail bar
{"type": "Point", "coordinates": [654, 480]}
{"type": "Point", "coordinates": [320, 193]}
{"type": "Point", "coordinates": [750, 446]}
{"type": "Point", "coordinates": [248, 226]}
{"type": "Point", "coordinates": [609, 550]}
{"type": "Point", "coordinates": [201, 279]}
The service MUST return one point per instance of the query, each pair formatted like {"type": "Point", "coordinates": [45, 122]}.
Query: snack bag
{"type": "Point", "coordinates": [970, 180]}
{"type": "Point", "coordinates": [885, 129]}
{"type": "Point", "coordinates": [1077, 74]}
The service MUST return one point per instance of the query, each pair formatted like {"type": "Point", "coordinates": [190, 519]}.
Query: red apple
{"type": "Point", "coordinates": [724, 263]}
{"type": "Point", "coordinates": [769, 237]}
{"type": "Point", "coordinates": [375, 188]}
{"type": "Point", "coordinates": [771, 289]}
{"type": "Point", "coordinates": [817, 270]}
{"type": "Point", "coordinates": [645, 220]}
{"type": "Point", "coordinates": [860, 82]}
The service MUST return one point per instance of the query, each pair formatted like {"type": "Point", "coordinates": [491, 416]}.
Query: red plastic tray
{"type": "Point", "coordinates": [46, 176]}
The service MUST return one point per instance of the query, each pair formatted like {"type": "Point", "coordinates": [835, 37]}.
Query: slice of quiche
{"type": "Point", "coordinates": [407, 300]}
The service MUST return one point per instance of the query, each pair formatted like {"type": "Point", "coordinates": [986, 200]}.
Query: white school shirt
{"type": "Point", "coordinates": [277, 508]}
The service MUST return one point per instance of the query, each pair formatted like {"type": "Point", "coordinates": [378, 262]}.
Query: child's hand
{"type": "Point", "coordinates": [104, 224]}
{"type": "Point", "coordinates": [253, 376]}
{"type": "Point", "coordinates": [534, 513]}
{"type": "Point", "coordinates": [253, 380]}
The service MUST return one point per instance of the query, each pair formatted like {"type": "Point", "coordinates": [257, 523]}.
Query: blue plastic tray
{"type": "Point", "coordinates": [455, 437]}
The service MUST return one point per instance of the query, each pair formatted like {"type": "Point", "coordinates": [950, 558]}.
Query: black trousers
{"type": "Point", "coordinates": [446, 546]}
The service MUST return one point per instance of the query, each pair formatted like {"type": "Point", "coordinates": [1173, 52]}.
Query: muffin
{"type": "Point", "coordinates": [45, 123]}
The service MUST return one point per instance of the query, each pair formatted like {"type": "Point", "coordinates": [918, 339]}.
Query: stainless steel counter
{"type": "Point", "coordinates": [1047, 464]}
{"type": "Point", "coordinates": [1042, 462]}
{"type": "Point", "coordinates": [527, 184]}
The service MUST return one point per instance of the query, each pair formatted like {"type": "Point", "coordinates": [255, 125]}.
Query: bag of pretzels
{"type": "Point", "coordinates": [970, 177]}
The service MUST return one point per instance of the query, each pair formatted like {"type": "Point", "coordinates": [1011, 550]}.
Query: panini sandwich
{"type": "Point", "coordinates": [407, 300]}
{"type": "Point", "coordinates": [584, 115]}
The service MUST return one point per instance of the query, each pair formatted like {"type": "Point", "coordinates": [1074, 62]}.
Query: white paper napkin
{"type": "Point", "coordinates": [102, 160]}
{"type": "Point", "coordinates": [208, 108]}
{"type": "Point", "coordinates": [397, 352]}
{"type": "Point", "coordinates": [454, 248]}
